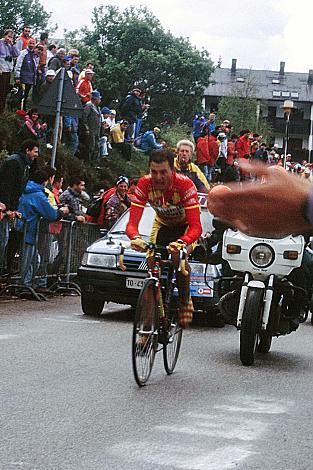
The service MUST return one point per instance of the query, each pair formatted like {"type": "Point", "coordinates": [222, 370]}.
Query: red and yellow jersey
{"type": "Point", "coordinates": [178, 205]}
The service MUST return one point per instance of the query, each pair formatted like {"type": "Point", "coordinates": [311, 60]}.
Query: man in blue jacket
{"type": "Point", "coordinates": [149, 142]}
{"type": "Point", "coordinates": [33, 205]}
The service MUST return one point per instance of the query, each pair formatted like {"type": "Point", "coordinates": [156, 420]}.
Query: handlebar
{"type": "Point", "coordinates": [151, 247]}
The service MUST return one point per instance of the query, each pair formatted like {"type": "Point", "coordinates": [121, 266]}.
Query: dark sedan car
{"type": "Point", "coordinates": [102, 280]}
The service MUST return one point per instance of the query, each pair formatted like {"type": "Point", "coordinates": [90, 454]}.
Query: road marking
{"type": "Point", "coordinates": [184, 445]}
{"type": "Point", "coordinates": [8, 336]}
{"type": "Point", "coordinates": [64, 320]}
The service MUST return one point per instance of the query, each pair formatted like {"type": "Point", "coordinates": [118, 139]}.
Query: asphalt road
{"type": "Point", "coordinates": [69, 401]}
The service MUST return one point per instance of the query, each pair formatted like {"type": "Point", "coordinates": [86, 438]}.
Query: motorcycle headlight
{"type": "Point", "coordinates": [262, 256]}
{"type": "Point", "coordinates": [99, 260]}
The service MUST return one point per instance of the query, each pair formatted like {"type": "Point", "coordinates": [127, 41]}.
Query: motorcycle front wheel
{"type": "Point", "coordinates": [250, 325]}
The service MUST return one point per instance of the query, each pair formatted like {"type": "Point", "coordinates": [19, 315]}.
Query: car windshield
{"type": "Point", "coordinates": [147, 219]}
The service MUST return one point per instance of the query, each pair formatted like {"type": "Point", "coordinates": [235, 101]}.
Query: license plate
{"type": "Point", "coordinates": [134, 283]}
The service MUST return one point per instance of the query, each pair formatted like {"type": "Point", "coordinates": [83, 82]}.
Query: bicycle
{"type": "Point", "coordinates": [156, 325]}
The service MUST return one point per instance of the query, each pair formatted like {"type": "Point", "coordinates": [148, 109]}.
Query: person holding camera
{"type": "Point", "coordinates": [8, 51]}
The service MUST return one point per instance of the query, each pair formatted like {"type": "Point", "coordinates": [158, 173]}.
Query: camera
{"type": "Point", "coordinates": [8, 58]}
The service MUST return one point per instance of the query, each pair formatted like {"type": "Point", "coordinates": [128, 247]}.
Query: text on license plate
{"type": "Point", "coordinates": [134, 283]}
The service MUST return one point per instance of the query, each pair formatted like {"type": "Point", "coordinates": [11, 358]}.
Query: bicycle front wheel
{"type": "Point", "coordinates": [145, 333]}
{"type": "Point", "coordinates": [172, 347]}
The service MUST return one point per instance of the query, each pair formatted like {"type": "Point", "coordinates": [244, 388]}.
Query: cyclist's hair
{"type": "Point", "coordinates": [160, 156]}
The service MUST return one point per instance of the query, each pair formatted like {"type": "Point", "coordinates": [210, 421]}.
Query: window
{"type": "Point", "coordinates": [285, 94]}
{"type": "Point", "coordinates": [275, 81]}
{"type": "Point", "coordinates": [240, 79]}
{"type": "Point", "coordinates": [276, 94]}
{"type": "Point", "coordinates": [294, 94]}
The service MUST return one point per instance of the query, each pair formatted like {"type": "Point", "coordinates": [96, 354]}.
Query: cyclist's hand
{"type": "Point", "coordinates": [138, 244]}
{"type": "Point", "coordinates": [175, 247]}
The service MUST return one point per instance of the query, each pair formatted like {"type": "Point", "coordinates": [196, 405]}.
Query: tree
{"type": "Point", "coordinates": [243, 109]}
{"type": "Point", "coordinates": [132, 48]}
{"type": "Point", "coordinates": [14, 14]}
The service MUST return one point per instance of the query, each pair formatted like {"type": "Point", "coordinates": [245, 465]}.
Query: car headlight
{"type": "Point", "coordinates": [197, 268]}
{"type": "Point", "coordinates": [262, 255]}
{"type": "Point", "coordinates": [100, 260]}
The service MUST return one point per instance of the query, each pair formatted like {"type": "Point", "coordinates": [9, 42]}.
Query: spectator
{"type": "Point", "coordinates": [117, 139]}
{"type": "Point", "coordinates": [203, 157]}
{"type": "Point", "coordinates": [7, 53]}
{"type": "Point", "coordinates": [149, 142]}
{"type": "Point", "coordinates": [55, 63]}
{"type": "Point", "coordinates": [71, 127]}
{"type": "Point", "coordinates": [197, 126]}
{"type": "Point", "coordinates": [14, 174]}
{"type": "Point", "coordinates": [84, 87]}
{"type": "Point", "coordinates": [104, 132]}
{"type": "Point", "coordinates": [32, 129]}
{"type": "Point", "coordinates": [261, 153]}
{"type": "Point", "coordinates": [22, 40]}
{"type": "Point", "coordinates": [92, 119]}
{"type": "Point", "coordinates": [110, 120]}
{"type": "Point", "coordinates": [4, 236]}
{"type": "Point", "coordinates": [50, 75]}
{"type": "Point", "coordinates": [118, 203]}
{"type": "Point", "coordinates": [74, 67]}
{"type": "Point", "coordinates": [34, 204]}
{"type": "Point", "coordinates": [42, 48]}
{"type": "Point", "coordinates": [89, 66]}
{"type": "Point", "coordinates": [51, 51]}
{"type": "Point", "coordinates": [26, 69]}
{"type": "Point", "coordinates": [57, 187]}
{"type": "Point", "coordinates": [211, 122]}
{"type": "Point", "coordinates": [184, 165]}
{"type": "Point", "coordinates": [243, 144]}
{"type": "Point", "coordinates": [131, 109]}
{"type": "Point", "coordinates": [132, 188]}
{"type": "Point", "coordinates": [72, 198]}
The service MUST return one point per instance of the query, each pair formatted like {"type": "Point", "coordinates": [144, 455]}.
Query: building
{"type": "Point", "coordinates": [272, 89]}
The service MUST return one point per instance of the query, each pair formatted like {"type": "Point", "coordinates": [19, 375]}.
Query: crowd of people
{"type": "Point", "coordinates": [28, 69]}
{"type": "Point", "coordinates": [219, 151]}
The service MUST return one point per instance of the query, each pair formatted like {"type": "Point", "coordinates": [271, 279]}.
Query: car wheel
{"type": "Point", "coordinates": [91, 306]}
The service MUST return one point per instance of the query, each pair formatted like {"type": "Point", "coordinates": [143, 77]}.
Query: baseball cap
{"type": "Point", "coordinates": [122, 179]}
{"type": "Point", "coordinates": [51, 73]}
{"type": "Point", "coordinates": [96, 94]}
{"type": "Point", "coordinates": [105, 110]}
{"type": "Point", "coordinates": [89, 71]}
{"type": "Point", "coordinates": [156, 129]}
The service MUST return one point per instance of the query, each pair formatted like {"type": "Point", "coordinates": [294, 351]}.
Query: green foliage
{"type": "Point", "coordinates": [14, 14]}
{"type": "Point", "coordinates": [243, 109]}
{"type": "Point", "coordinates": [175, 133]}
{"type": "Point", "coordinates": [131, 47]}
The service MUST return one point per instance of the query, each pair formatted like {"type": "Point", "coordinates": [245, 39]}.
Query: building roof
{"type": "Point", "coordinates": [270, 85]}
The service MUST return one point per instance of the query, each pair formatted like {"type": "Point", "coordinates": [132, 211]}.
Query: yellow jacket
{"type": "Point", "coordinates": [195, 174]}
{"type": "Point", "coordinates": [117, 135]}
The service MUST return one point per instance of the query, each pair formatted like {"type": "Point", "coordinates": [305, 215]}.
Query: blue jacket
{"type": "Point", "coordinates": [148, 142]}
{"type": "Point", "coordinates": [33, 205]}
{"type": "Point", "coordinates": [197, 126]}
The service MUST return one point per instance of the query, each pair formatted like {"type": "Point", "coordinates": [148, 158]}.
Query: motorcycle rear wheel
{"type": "Point", "coordinates": [250, 325]}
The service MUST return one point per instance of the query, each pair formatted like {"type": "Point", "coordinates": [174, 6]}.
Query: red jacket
{"type": "Point", "coordinates": [243, 146]}
{"type": "Point", "coordinates": [202, 151]}
{"type": "Point", "coordinates": [83, 88]}
{"type": "Point", "coordinates": [231, 152]}
{"type": "Point", "coordinates": [213, 149]}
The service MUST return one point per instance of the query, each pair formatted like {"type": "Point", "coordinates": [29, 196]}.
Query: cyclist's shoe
{"type": "Point", "coordinates": [185, 314]}
{"type": "Point", "coordinates": [142, 341]}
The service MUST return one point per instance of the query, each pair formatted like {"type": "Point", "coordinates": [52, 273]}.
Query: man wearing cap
{"type": "Point", "coordinates": [84, 87]}
{"type": "Point", "coordinates": [131, 109]}
{"type": "Point", "coordinates": [118, 203]}
{"type": "Point", "coordinates": [149, 142]}
{"type": "Point", "coordinates": [92, 121]}
{"type": "Point", "coordinates": [47, 83]}
{"type": "Point", "coordinates": [110, 120]}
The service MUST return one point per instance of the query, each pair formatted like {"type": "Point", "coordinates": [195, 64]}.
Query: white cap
{"type": "Point", "coordinates": [51, 73]}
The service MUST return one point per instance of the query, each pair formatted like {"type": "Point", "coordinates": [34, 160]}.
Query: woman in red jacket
{"type": "Point", "coordinates": [203, 157]}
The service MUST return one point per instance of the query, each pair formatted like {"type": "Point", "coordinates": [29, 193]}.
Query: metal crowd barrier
{"type": "Point", "coordinates": [59, 249]}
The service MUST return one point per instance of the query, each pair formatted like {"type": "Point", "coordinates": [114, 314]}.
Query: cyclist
{"type": "Point", "coordinates": [177, 222]}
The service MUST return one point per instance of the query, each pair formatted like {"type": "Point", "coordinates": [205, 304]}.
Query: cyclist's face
{"type": "Point", "coordinates": [161, 174]}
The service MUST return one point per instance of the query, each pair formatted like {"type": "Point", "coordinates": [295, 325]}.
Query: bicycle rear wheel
{"type": "Point", "coordinates": [145, 333]}
{"type": "Point", "coordinates": [172, 347]}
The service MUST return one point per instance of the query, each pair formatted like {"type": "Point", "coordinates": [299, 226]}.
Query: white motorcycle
{"type": "Point", "coordinates": [265, 292]}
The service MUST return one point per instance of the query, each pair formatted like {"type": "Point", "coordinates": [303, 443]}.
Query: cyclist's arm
{"type": "Point", "coordinates": [137, 206]}
{"type": "Point", "coordinates": [135, 215]}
